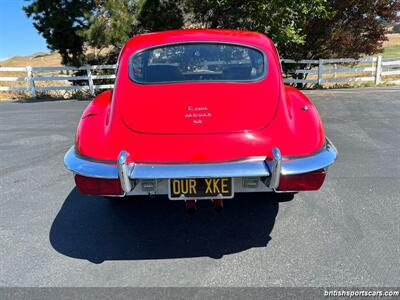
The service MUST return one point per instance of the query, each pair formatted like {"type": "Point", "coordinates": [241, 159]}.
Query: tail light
{"type": "Point", "coordinates": [302, 182]}
{"type": "Point", "coordinates": [98, 186]}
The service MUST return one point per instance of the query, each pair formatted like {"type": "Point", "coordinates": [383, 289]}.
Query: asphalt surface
{"type": "Point", "coordinates": [346, 234]}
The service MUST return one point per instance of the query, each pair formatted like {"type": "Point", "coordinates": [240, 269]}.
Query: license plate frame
{"type": "Point", "coordinates": [172, 195]}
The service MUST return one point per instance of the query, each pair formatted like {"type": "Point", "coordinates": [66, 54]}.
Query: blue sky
{"type": "Point", "coordinates": [17, 34]}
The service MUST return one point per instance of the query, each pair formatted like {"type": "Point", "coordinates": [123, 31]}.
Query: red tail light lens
{"type": "Point", "coordinates": [302, 182]}
{"type": "Point", "coordinates": [98, 186]}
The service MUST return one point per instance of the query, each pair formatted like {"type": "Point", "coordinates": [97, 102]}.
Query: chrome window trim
{"type": "Point", "coordinates": [260, 78]}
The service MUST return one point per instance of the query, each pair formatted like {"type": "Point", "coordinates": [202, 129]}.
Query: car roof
{"type": "Point", "coordinates": [248, 38]}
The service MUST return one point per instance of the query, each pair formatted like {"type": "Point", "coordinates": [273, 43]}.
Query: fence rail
{"type": "Point", "coordinates": [33, 75]}
{"type": "Point", "coordinates": [306, 71]}
{"type": "Point", "coordinates": [319, 70]}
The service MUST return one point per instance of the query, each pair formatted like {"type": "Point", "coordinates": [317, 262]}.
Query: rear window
{"type": "Point", "coordinates": [197, 62]}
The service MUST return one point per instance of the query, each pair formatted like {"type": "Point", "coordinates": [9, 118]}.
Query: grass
{"type": "Point", "coordinates": [391, 47]}
{"type": "Point", "coordinates": [391, 52]}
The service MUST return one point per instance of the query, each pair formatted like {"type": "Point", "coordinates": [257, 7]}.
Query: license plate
{"type": "Point", "coordinates": [200, 188]}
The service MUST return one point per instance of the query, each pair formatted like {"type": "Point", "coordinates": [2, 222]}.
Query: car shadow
{"type": "Point", "coordinates": [99, 229]}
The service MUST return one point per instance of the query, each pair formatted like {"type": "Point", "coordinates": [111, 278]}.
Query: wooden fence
{"type": "Point", "coordinates": [34, 75]}
{"type": "Point", "coordinates": [313, 72]}
{"type": "Point", "coordinates": [372, 69]}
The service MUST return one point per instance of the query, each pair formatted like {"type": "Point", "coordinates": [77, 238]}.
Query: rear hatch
{"type": "Point", "coordinates": [199, 108]}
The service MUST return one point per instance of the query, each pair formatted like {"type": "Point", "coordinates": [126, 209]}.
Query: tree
{"type": "Point", "coordinates": [355, 28]}
{"type": "Point", "coordinates": [300, 28]}
{"type": "Point", "coordinates": [283, 21]}
{"type": "Point", "coordinates": [158, 15]}
{"type": "Point", "coordinates": [304, 28]}
{"type": "Point", "coordinates": [70, 26]}
{"type": "Point", "coordinates": [113, 22]}
{"type": "Point", "coordinates": [60, 23]}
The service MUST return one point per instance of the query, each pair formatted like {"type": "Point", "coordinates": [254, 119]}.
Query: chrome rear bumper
{"type": "Point", "coordinates": [268, 170]}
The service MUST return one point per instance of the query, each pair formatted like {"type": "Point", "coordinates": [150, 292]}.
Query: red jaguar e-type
{"type": "Point", "coordinates": [199, 114]}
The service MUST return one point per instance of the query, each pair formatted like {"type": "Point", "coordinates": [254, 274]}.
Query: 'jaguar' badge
{"type": "Point", "coordinates": [197, 113]}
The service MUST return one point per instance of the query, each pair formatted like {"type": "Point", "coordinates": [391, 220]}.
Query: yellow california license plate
{"type": "Point", "coordinates": [200, 188]}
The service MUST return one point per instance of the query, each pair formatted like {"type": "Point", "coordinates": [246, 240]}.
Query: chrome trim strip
{"type": "Point", "coordinates": [89, 168]}
{"type": "Point", "coordinates": [275, 168]}
{"type": "Point", "coordinates": [228, 169]}
{"type": "Point", "coordinates": [247, 159]}
{"type": "Point", "coordinates": [253, 167]}
{"type": "Point", "coordinates": [320, 160]}
{"type": "Point", "coordinates": [123, 172]}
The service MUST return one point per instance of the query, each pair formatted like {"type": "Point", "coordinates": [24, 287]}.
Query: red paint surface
{"type": "Point", "coordinates": [248, 119]}
{"type": "Point", "coordinates": [171, 107]}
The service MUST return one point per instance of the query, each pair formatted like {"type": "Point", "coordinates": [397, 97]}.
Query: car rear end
{"type": "Point", "coordinates": [201, 120]}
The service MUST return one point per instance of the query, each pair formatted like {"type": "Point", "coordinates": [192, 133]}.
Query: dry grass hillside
{"type": "Point", "coordinates": [34, 60]}
{"type": "Point", "coordinates": [41, 60]}
{"type": "Point", "coordinates": [393, 40]}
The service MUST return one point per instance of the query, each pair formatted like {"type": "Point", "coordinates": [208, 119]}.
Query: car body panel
{"type": "Point", "coordinates": [290, 132]}
{"type": "Point", "coordinates": [197, 107]}
{"type": "Point", "coordinates": [249, 119]}
{"type": "Point", "coordinates": [200, 108]}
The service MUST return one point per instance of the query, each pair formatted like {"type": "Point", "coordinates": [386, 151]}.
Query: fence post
{"type": "Point", "coordinates": [30, 80]}
{"type": "Point", "coordinates": [335, 67]}
{"type": "Point", "coordinates": [373, 67]}
{"type": "Point", "coordinates": [90, 81]}
{"type": "Point", "coordinates": [378, 70]}
{"type": "Point", "coordinates": [320, 71]}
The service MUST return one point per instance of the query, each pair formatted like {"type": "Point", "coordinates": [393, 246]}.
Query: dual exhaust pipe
{"type": "Point", "coordinates": [191, 208]}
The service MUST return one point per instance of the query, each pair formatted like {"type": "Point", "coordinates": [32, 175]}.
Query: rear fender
{"type": "Point", "coordinates": [98, 105]}
{"type": "Point", "coordinates": [94, 120]}
{"type": "Point", "coordinates": [305, 118]}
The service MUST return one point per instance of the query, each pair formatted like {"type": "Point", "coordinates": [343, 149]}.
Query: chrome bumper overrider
{"type": "Point", "coordinates": [133, 175]}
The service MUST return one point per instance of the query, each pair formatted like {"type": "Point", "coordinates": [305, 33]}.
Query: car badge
{"type": "Point", "coordinates": [197, 114]}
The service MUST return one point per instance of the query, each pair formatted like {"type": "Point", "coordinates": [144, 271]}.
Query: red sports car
{"type": "Point", "coordinates": [199, 114]}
